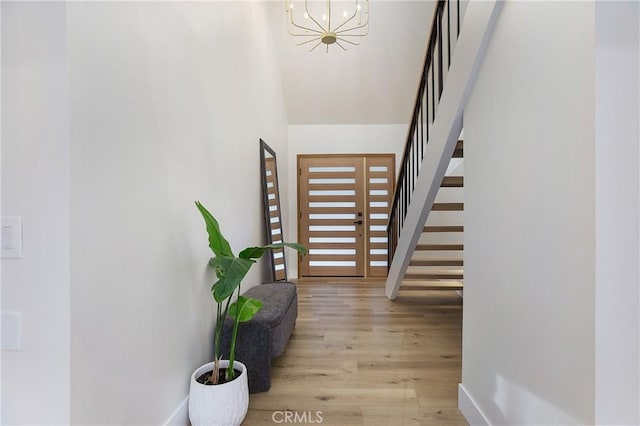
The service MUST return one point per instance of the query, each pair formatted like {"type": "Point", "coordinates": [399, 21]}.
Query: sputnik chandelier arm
{"type": "Point", "coordinates": [320, 30]}
{"type": "Point", "coordinates": [355, 13]}
{"type": "Point", "coordinates": [289, 6]}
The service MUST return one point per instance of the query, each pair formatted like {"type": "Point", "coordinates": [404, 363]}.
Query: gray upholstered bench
{"type": "Point", "coordinates": [267, 334]}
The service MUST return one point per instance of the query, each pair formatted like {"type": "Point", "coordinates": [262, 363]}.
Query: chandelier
{"type": "Point", "coordinates": [340, 23]}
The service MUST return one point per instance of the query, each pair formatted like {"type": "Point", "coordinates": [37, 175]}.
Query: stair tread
{"type": "Point", "coordinates": [436, 262]}
{"type": "Point", "coordinates": [448, 228]}
{"type": "Point", "coordinates": [408, 290]}
{"type": "Point", "coordinates": [442, 270]}
{"type": "Point", "coordinates": [448, 207]}
{"type": "Point", "coordinates": [430, 281]}
{"type": "Point", "coordinates": [459, 150]}
{"type": "Point", "coordinates": [443, 247]}
{"type": "Point", "coordinates": [433, 276]}
{"type": "Point", "coordinates": [452, 182]}
{"type": "Point", "coordinates": [413, 285]}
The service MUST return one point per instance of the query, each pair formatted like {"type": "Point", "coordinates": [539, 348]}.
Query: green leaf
{"type": "Point", "coordinates": [257, 252]}
{"type": "Point", "coordinates": [244, 308]}
{"type": "Point", "coordinates": [217, 242]}
{"type": "Point", "coordinates": [230, 272]}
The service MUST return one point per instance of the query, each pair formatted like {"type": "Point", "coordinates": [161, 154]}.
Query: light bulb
{"type": "Point", "coordinates": [344, 14]}
{"type": "Point", "coordinates": [324, 17]}
{"type": "Point", "coordinates": [359, 6]}
{"type": "Point", "coordinates": [306, 15]}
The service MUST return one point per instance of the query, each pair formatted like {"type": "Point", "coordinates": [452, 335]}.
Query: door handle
{"type": "Point", "coordinates": [358, 222]}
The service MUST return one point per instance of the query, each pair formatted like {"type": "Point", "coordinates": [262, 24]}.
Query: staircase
{"type": "Point", "coordinates": [421, 252]}
{"type": "Point", "coordinates": [437, 261]}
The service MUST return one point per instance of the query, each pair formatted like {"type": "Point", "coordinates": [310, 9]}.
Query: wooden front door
{"type": "Point", "coordinates": [343, 204]}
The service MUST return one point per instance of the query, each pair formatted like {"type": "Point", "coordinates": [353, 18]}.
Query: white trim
{"type": "Point", "coordinates": [180, 417]}
{"type": "Point", "coordinates": [469, 408]}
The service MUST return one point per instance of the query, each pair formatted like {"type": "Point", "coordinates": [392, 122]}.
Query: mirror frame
{"type": "Point", "coordinates": [276, 275]}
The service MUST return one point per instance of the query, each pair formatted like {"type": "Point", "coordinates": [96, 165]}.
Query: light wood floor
{"type": "Point", "coordinates": [356, 358]}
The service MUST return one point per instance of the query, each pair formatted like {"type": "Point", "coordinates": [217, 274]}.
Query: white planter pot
{"type": "Point", "coordinates": [222, 405]}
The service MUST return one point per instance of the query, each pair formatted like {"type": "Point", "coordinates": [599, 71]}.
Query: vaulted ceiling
{"type": "Point", "coordinates": [373, 83]}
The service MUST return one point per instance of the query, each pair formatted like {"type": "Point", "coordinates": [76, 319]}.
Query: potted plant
{"type": "Point", "coordinates": [218, 391]}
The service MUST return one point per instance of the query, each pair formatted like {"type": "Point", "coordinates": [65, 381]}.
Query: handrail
{"type": "Point", "coordinates": [422, 117]}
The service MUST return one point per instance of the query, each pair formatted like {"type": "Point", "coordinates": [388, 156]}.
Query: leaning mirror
{"type": "Point", "coordinates": [272, 215]}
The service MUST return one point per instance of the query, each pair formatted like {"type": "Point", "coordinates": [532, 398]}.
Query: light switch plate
{"type": "Point", "coordinates": [11, 238]}
{"type": "Point", "coordinates": [11, 331]}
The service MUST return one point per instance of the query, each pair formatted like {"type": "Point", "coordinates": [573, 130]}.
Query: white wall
{"type": "Point", "coordinates": [528, 327]}
{"type": "Point", "coordinates": [35, 185]}
{"type": "Point", "coordinates": [117, 116]}
{"type": "Point", "coordinates": [168, 102]}
{"type": "Point", "coordinates": [617, 31]}
{"type": "Point", "coordinates": [335, 139]}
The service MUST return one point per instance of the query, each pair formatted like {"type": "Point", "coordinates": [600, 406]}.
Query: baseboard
{"type": "Point", "coordinates": [470, 409]}
{"type": "Point", "coordinates": [180, 417]}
